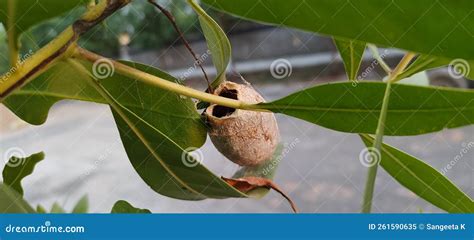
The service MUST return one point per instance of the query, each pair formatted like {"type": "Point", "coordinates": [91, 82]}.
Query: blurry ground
{"type": "Point", "coordinates": [322, 173]}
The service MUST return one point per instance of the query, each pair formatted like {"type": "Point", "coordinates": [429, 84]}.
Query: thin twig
{"type": "Point", "coordinates": [185, 42]}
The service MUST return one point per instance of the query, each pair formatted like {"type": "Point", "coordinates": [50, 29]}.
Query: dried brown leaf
{"type": "Point", "coordinates": [247, 184]}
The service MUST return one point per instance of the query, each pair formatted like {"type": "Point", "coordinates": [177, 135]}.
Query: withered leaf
{"type": "Point", "coordinates": [247, 184]}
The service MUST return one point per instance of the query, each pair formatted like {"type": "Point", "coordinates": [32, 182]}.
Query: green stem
{"type": "Point", "coordinates": [375, 151]}
{"type": "Point", "coordinates": [12, 41]}
{"type": "Point", "coordinates": [167, 85]}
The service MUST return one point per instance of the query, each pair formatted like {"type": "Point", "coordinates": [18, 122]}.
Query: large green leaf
{"type": "Point", "coordinates": [217, 42]}
{"type": "Point", "coordinates": [122, 206]}
{"type": "Point", "coordinates": [412, 110]}
{"type": "Point", "coordinates": [422, 179]}
{"type": "Point", "coordinates": [440, 28]}
{"type": "Point", "coordinates": [351, 53]}
{"type": "Point", "coordinates": [12, 202]}
{"type": "Point", "coordinates": [18, 168]}
{"type": "Point", "coordinates": [168, 122]}
{"type": "Point", "coordinates": [31, 12]}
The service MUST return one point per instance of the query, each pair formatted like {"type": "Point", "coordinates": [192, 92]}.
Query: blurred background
{"type": "Point", "coordinates": [321, 170]}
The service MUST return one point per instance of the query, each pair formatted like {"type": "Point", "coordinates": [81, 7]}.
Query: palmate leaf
{"type": "Point", "coordinates": [439, 28]}
{"type": "Point", "coordinates": [217, 42]}
{"type": "Point", "coordinates": [18, 168]}
{"type": "Point", "coordinates": [422, 179]}
{"type": "Point", "coordinates": [12, 202]}
{"type": "Point", "coordinates": [169, 123]}
{"type": "Point", "coordinates": [351, 53]}
{"type": "Point", "coordinates": [412, 110]}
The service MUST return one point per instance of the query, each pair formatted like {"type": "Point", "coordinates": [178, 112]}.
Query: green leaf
{"type": "Point", "coordinates": [122, 206]}
{"type": "Point", "coordinates": [351, 53]}
{"type": "Point", "coordinates": [412, 110]}
{"type": "Point", "coordinates": [422, 179]}
{"type": "Point", "coordinates": [41, 209]}
{"type": "Point", "coordinates": [169, 168]}
{"type": "Point", "coordinates": [168, 122]}
{"type": "Point", "coordinates": [425, 62]}
{"type": "Point", "coordinates": [12, 202]}
{"type": "Point", "coordinates": [56, 208]}
{"type": "Point", "coordinates": [28, 13]}
{"type": "Point", "coordinates": [18, 168]}
{"type": "Point", "coordinates": [217, 42]}
{"type": "Point", "coordinates": [439, 28]}
{"type": "Point", "coordinates": [82, 205]}
{"type": "Point", "coordinates": [265, 170]}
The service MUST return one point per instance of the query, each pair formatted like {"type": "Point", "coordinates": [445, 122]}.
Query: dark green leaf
{"type": "Point", "coordinates": [351, 53]}
{"type": "Point", "coordinates": [18, 168]}
{"type": "Point", "coordinates": [122, 206]}
{"type": "Point", "coordinates": [422, 179]}
{"type": "Point", "coordinates": [12, 202]}
{"type": "Point", "coordinates": [168, 122]}
{"type": "Point", "coordinates": [217, 42]}
{"type": "Point", "coordinates": [31, 12]}
{"type": "Point", "coordinates": [412, 110]}
{"type": "Point", "coordinates": [82, 205]}
{"type": "Point", "coordinates": [56, 208]}
{"type": "Point", "coordinates": [440, 28]}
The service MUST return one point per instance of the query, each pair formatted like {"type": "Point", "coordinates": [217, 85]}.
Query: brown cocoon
{"type": "Point", "coordinates": [245, 137]}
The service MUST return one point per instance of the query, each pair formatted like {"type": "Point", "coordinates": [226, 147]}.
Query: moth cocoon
{"type": "Point", "coordinates": [247, 138]}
